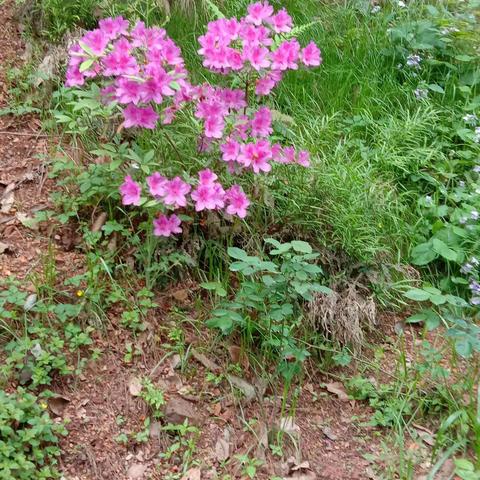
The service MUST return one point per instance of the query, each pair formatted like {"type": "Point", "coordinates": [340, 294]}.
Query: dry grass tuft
{"type": "Point", "coordinates": [343, 315]}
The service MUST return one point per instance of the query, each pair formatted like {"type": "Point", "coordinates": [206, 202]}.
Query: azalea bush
{"type": "Point", "coordinates": [142, 74]}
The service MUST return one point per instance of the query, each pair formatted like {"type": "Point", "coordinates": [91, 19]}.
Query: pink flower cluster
{"type": "Point", "coordinates": [142, 68]}
{"type": "Point", "coordinates": [250, 45]}
{"type": "Point", "coordinates": [208, 195]}
{"type": "Point", "coordinates": [142, 65]}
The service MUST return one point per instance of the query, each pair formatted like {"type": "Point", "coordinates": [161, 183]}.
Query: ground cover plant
{"type": "Point", "coordinates": [260, 213]}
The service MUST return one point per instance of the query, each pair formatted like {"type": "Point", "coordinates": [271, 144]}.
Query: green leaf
{"type": "Point", "coordinates": [463, 347]}
{"type": "Point", "coordinates": [432, 321]}
{"type": "Point", "coordinates": [273, 242]}
{"type": "Point", "coordinates": [225, 324]}
{"type": "Point", "coordinates": [238, 266]}
{"type": "Point", "coordinates": [301, 247]}
{"type": "Point", "coordinates": [464, 464]}
{"type": "Point", "coordinates": [438, 299]}
{"type": "Point", "coordinates": [436, 88]}
{"type": "Point", "coordinates": [464, 58]}
{"type": "Point", "coordinates": [417, 295]}
{"type": "Point", "coordinates": [456, 301]}
{"type": "Point", "coordinates": [418, 317]}
{"type": "Point", "coordinates": [237, 253]}
{"type": "Point", "coordinates": [86, 65]}
{"type": "Point", "coordinates": [175, 86]}
{"type": "Point", "coordinates": [269, 267]}
{"type": "Point", "coordinates": [444, 250]}
{"type": "Point", "coordinates": [281, 249]}
{"type": "Point", "coordinates": [217, 287]}
{"type": "Point", "coordinates": [423, 254]}
{"type": "Point", "coordinates": [321, 289]}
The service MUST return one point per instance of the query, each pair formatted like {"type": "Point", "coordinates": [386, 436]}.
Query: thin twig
{"type": "Point", "coordinates": [23, 134]}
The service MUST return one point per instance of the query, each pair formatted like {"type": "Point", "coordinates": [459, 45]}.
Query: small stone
{"type": "Point", "coordinates": [178, 410]}
{"type": "Point", "coordinates": [136, 471]}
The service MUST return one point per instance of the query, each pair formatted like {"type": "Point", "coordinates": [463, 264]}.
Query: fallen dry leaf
{"type": "Point", "coordinates": [327, 431]}
{"type": "Point", "coordinates": [99, 222]}
{"type": "Point", "coordinates": [222, 446]}
{"type": "Point", "coordinates": [426, 435]}
{"type": "Point", "coordinates": [135, 386]}
{"type": "Point", "coordinates": [205, 361]}
{"type": "Point", "coordinates": [338, 389]}
{"type": "Point", "coordinates": [301, 471]}
{"type": "Point", "coordinates": [5, 248]}
{"type": "Point", "coordinates": [246, 388]}
{"type": "Point", "coordinates": [58, 404]}
{"type": "Point", "coordinates": [8, 198]}
{"type": "Point", "coordinates": [136, 471]}
{"type": "Point", "coordinates": [235, 353]}
{"type": "Point", "coordinates": [180, 295]}
{"type": "Point", "coordinates": [193, 474]}
{"type": "Point", "coordinates": [288, 425]}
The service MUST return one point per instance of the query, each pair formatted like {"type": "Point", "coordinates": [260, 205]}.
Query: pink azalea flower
{"type": "Point", "coordinates": [120, 62]}
{"type": "Point", "coordinates": [172, 55]}
{"type": "Point", "coordinates": [234, 99]}
{"type": "Point", "coordinates": [234, 59]}
{"type": "Point", "coordinates": [303, 158]}
{"type": "Point", "coordinates": [156, 184]}
{"type": "Point", "coordinates": [164, 226]}
{"type": "Point", "coordinates": [214, 126]}
{"type": "Point", "coordinates": [286, 156]}
{"type": "Point", "coordinates": [77, 55]}
{"type": "Point", "coordinates": [113, 27]}
{"type": "Point", "coordinates": [261, 124]}
{"type": "Point", "coordinates": [259, 12]}
{"type": "Point", "coordinates": [175, 191]}
{"type": "Point", "coordinates": [218, 195]}
{"type": "Point", "coordinates": [130, 191]}
{"type": "Point", "coordinates": [74, 78]}
{"type": "Point", "coordinates": [128, 91]}
{"type": "Point", "coordinates": [96, 41]}
{"type": "Point", "coordinates": [265, 85]}
{"type": "Point", "coordinates": [230, 150]}
{"type": "Point", "coordinates": [277, 152]}
{"type": "Point", "coordinates": [256, 156]}
{"type": "Point", "coordinates": [257, 56]}
{"type": "Point", "coordinates": [168, 115]}
{"type": "Point", "coordinates": [281, 22]}
{"type": "Point", "coordinates": [286, 56]}
{"type": "Point", "coordinates": [206, 177]}
{"type": "Point", "coordinates": [204, 197]}
{"type": "Point", "coordinates": [157, 86]}
{"type": "Point", "coordinates": [311, 55]}
{"type": "Point", "coordinates": [241, 127]}
{"type": "Point", "coordinates": [255, 36]}
{"type": "Point", "coordinates": [237, 200]}
{"type": "Point", "coordinates": [140, 117]}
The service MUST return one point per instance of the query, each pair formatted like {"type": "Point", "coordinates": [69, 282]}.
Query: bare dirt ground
{"type": "Point", "coordinates": [102, 403]}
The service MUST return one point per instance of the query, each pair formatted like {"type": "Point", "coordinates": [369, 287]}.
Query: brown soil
{"type": "Point", "coordinates": [99, 405]}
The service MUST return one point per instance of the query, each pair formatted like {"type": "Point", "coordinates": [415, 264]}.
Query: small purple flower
{"type": "Point", "coordinates": [474, 215]}
{"type": "Point", "coordinates": [421, 93]}
{"type": "Point", "coordinates": [475, 286]}
{"type": "Point", "coordinates": [461, 183]}
{"type": "Point", "coordinates": [475, 301]}
{"type": "Point", "coordinates": [474, 261]}
{"type": "Point", "coordinates": [467, 268]}
{"type": "Point", "coordinates": [476, 168]}
{"type": "Point", "coordinates": [470, 119]}
{"type": "Point", "coordinates": [414, 61]}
